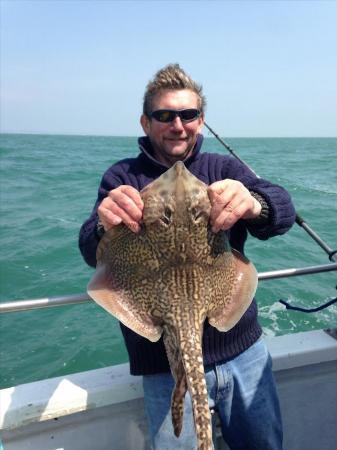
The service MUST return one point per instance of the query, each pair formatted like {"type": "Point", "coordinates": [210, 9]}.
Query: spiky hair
{"type": "Point", "coordinates": [171, 77]}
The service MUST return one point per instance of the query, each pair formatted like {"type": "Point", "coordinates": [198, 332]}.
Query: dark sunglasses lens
{"type": "Point", "coordinates": [167, 115]}
{"type": "Point", "coordinates": [163, 115]}
{"type": "Point", "coordinates": [189, 114]}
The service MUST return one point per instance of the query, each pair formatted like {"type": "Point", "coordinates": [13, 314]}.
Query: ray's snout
{"type": "Point", "coordinates": [179, 168]}
{"type": "Point", "coordinates": [178, 171]}
{"type": "Point", "coordinates": [180, 177]}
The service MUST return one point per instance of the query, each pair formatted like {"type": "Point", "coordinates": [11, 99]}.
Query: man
{"type": "Point", "coordinates": [237, 365]}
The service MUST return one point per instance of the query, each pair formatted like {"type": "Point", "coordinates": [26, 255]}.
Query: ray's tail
{"type": "Point", "coordinates": [189, 375]}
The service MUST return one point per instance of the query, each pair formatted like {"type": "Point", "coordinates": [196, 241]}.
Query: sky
{"type": "Point", "coordinates": [268, 68]}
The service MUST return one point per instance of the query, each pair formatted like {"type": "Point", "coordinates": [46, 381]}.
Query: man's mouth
{"type": "Point", "coordinates": [176, 139]}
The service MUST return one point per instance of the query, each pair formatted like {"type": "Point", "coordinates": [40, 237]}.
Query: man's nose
{"type": "Point", "coordinates": [177, 123]}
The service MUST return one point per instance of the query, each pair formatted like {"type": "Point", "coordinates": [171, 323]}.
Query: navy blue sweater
{"type": "Point", "coordinates": [147, 357]}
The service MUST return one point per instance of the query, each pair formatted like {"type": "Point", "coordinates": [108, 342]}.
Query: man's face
{"type": "Point", "coordinates": [174, 140]}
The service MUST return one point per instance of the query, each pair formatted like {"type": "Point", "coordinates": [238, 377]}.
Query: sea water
{"type": "Point", "coordinates": [48, 188]}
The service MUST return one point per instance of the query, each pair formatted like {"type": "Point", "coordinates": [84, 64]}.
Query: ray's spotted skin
{"type": "Point", "coordinates": [166, 279]}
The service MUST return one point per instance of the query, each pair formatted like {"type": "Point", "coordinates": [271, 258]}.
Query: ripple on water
{"type": "Point", "coordinates": [53, 192]}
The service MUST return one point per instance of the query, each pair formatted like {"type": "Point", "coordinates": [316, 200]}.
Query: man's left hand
{"type": "Point", "coordinates": [231, 201]}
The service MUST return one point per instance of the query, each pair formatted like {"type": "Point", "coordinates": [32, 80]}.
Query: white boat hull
{"type": "Point", "coordinates": [103, 409]}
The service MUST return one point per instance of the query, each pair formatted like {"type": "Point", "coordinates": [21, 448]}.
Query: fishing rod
{"type": "Point", "coordinates": [299, 220]}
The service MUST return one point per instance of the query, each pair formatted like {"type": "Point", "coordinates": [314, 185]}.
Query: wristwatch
{"type": "Point", "coordinates": [264, 214]}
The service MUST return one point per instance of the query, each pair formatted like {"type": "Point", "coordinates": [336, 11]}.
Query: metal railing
{"type": "Point", "coordinates": [26, 305]}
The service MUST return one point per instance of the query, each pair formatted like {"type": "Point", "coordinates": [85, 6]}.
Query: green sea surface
{"type": "Point", "coordinates": [48, 188]}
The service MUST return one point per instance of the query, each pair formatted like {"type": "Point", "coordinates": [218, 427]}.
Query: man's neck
{"type": "Point", "coordinates": [169, 160]}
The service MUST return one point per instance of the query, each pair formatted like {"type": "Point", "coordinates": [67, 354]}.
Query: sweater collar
{"type": "Point", "coordinates": [147, 150]}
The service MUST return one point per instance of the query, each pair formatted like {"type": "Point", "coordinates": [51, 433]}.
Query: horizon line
{"type": "Point", "coordinates": [29, 133]}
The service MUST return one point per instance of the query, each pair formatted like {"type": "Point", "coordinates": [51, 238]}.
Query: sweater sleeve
{"type": "Point", "coordinates": [281, 214]}
{"type": "Point", "coordinates": [88, 239]}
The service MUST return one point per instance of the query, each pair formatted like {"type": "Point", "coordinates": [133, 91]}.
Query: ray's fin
{"type": "Point", "coordinates": [177, 403]}
{"type": "Point", "coordinates": [225, 316]}
{"type": "Point", "coordinates": [120, 302]}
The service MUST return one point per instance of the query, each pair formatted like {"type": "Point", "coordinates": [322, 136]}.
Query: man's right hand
{"type": "Point", "coordinates": [123, 204]}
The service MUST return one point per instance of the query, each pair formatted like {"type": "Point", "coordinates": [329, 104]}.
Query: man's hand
{"type": "Point", "coordinates": [123, 204]}
{"type": "Point", "coordinates": [230, 202]}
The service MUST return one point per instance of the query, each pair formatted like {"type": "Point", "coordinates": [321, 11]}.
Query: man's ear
{"type": "Point", "coordinates": [145, 123]}
{"type": "Point", "coordinates": [201, 122]}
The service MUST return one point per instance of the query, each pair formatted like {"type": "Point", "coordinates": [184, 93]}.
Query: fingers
{"type": "Point", "coordinates": [228, 216]}
{"type": "Point", "coordinates": [123, 204]}
{"type": "Point", "coordinates": [220, 196]}
{"type": "Point", "coordinates": [230, 201]}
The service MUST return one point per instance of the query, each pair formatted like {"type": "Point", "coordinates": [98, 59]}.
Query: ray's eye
{"type": "Point", "coordinates": [167, 216]}
{"type": "Point", "coordinates": [197, 214]}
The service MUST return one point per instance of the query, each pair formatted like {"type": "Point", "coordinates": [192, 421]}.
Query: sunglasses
{"type": "Point", "coordinates": [168, 115]}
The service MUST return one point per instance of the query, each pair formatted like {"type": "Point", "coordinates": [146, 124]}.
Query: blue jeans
{"type": "Point", "coordinates": [243, 393]}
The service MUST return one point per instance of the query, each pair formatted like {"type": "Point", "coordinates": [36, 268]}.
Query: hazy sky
{"type": "Point", "coordinates": [268, 68]}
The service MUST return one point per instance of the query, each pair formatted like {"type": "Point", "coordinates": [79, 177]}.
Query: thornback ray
{"type": "Point", "coordinates": [171, 276]}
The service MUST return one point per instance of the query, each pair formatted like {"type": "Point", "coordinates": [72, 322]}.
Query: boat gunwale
{"type": "Point", "coordinates": [62, 396]}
